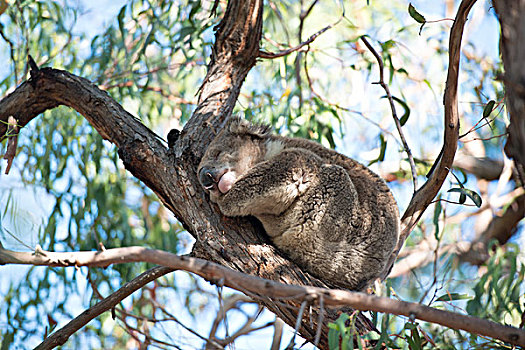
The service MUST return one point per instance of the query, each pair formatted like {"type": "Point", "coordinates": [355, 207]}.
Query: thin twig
{"type": "Point", "coordinates": [320, 320]}
{"type": "Point", "coordinates": [335, 105]}
{"type": "Point", "coordinates": [393, 108]}
{"type": "Point", "coordinates": [25, 31]}
{"type": "Point", "coordinates": [11, 52]}
{"type": "Point", "coordinates": [272, 55]}
{"type": "Point", "coordinates": [172, 317]}
{"type": "Point", "coordinates": [278, 325]}
{"type": "Point", "coordinates": [424, 196]}
{"type": "Point", "coordinates": [62, 335]}
{"type": "Point", "coordinates": [297, 324]}
{"type": "Point", "coordinates": [133, 331]}
{"type": "Point", "coordinates": [298, 58]}
{"type": "Point", "coordinates": [280, 18]}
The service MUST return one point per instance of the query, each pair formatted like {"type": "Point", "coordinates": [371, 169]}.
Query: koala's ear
{"type": "Point", "coordinates": [244, 127]}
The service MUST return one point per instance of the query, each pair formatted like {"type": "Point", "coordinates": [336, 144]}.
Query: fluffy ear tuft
{"type": "Point", "coordinates": [242, 126]}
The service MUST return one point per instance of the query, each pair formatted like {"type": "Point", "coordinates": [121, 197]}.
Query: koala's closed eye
{"type": "Point", "coordinates": [331, 215]}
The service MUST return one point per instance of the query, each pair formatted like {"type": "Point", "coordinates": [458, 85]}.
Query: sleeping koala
{"type": "Point", "coordinates": [331, 215]}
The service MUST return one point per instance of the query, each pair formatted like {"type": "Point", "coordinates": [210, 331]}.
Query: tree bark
{"type": "Point", "coordinates": [511, 14]}
{"type": "Point", "coordinates": [238, 243]}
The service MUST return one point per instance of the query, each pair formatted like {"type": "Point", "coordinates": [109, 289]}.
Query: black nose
{"type": "Point", "coordinates": [207, 177]}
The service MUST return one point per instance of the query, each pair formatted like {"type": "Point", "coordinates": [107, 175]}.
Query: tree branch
{"type": "Point", "coordinates": [510, 15]}
{"type": "Point", "coordinates": [483, 168]}
{"type": "Point", "coordinates": [501, 228]}
{"type": "Point", "coordinates": [272, 55]}
{"type": "Point", "coordinates": [223, 276]}
{"type": "Point", "coordinates": [238, 243]}
{"type": "Point", "coordinates": [424, 196]}
{"type": "Point", "coordinates": [393, 109]}
{"type": "Point", "coordinates": [60, 336]}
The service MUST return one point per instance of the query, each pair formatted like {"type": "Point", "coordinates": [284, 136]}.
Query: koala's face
{"type": "Point", "coordinates": [235, 150]}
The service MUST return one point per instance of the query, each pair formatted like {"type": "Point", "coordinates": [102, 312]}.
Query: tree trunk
{"type": "Point", "coordinates": [511, 14]}
{"type": "Point", "coordinates": [238, 243]}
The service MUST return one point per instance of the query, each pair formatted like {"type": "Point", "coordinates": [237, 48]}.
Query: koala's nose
{"type": "Point", "coordinates": [207, 177]}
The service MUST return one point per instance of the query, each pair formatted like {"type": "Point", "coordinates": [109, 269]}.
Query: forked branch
{"type": "Point", "coordinates": [424, 196]}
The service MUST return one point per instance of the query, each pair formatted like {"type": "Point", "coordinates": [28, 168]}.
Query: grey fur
{"type": "Point", "coordinates": [331, 215]}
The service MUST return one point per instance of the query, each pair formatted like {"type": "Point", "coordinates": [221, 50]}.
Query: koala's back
{"type": "Point", "coordinates": [345, 227]}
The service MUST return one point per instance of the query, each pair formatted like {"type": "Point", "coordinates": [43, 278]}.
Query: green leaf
{"type": "Point", "coordinates": [489, 107]}
{"type": "Point", "coordinates": [382, 151]}
{"type": "Point", "coordinates": [404, 117]}
{"type": "Point", "coordinates": [341, 322]}
{"type": "Point", "coordinates": [120, 19]}
{"type": "Point", "coordinates": [454, 296]}
{"type": "Point", "coordinates": [333, 337]}
{"type": "Point", "coordinates": [416, 15]}
{"type": "Point", "coordinates": [437, 211]}
{"type": "Point", "coordinates": [465, 192]}
{"type": "Point", "coordinates": [383, 148]}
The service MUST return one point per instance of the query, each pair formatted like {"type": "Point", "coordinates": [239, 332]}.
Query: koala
{"type": "Point", "coordinates": [329, 214]}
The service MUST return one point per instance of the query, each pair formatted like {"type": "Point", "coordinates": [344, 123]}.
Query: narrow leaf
{"type": "Point", "coordinates": [416, 15]}
{"type": "Point", "coordinates": [404, 117]}
{"type": "Point", "coordinates": [488, 108]}
{"type": "Point", "coordinates": [333, 338]}
{"type": "Point", "coordinates": [453, 296]}
{"type": "Point", "coordinates": [437, 212]}
{"type": "Point", "coordinates": [382, 151]}
{"type": "Point", "coordinates": [120, 19]}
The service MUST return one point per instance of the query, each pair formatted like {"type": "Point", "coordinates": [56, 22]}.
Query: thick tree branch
{"type": "Point", "coordinates": [483, 168]}
{"type": "Point", "coordinates": [424, 196]}
{"type": "Point", "coordinates": [259, 287]}
{"type": "Point", "coordinates": [171, 174]}
{"type": "Point", "coordinates": [240, 244]}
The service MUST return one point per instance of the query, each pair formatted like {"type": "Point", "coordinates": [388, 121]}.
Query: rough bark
{"type": "Point", "coordinates": [171, 173]}
{"type": "Point", "coordinates": [511, 14]}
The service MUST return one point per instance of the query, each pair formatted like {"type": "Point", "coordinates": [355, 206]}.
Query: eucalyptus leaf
{"type": "Point", "coordinates": [489, 107]}
{"type": "Point", "coordinates": [453, 296]}
{"type": "Point", "coordinates": [465, 192]}
{"type": "Point", "coordinates": [415, 14]}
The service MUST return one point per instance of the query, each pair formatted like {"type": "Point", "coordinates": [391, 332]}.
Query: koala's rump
{"type": "Point", "coordinates": [326, 232]}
